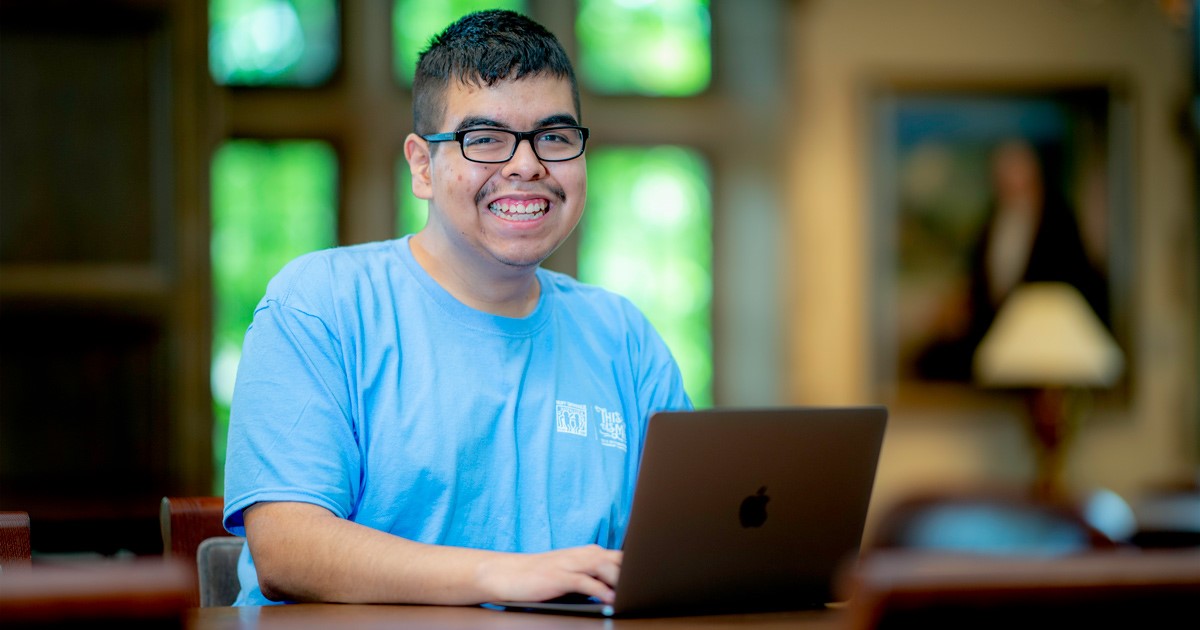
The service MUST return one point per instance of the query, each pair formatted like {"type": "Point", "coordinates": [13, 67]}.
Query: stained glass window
{"type": "Point", "coordinates": [415, 22]}
{"type": "Point", "coordinates": [647, 234]}
{"type": "Point", "coordinates": [273, 42]}
{"type": "Point", "coordinates": [271, 202]}
{"type": "Point", "coordinates": [646, 47]}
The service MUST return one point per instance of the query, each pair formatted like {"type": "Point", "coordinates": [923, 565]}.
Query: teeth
{"type": "Point", "coordinates": [519, 211]}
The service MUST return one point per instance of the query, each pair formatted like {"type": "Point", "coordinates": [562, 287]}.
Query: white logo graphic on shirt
{"type": "Point", "coordinates": [570, 418]}
{"type": "Point", "coordinates": [612, 428]}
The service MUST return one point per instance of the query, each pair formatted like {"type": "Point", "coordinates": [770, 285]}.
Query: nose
{"type": "Point", "coordinates": [524, 163]}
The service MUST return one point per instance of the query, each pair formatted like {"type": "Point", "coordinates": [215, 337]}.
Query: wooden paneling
{"type": "Point", "coordinates": [78, 127]}
{"type": "Point", "coordinates": [103, 322]}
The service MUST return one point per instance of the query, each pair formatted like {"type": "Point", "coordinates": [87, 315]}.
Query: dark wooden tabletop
{"type": "Point", "coordinates": [456, 618]}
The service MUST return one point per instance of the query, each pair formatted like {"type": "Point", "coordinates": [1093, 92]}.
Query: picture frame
{"type": "Point", "coordinates": [951, 165]}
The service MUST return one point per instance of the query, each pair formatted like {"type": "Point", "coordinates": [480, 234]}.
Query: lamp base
{"type": "Point", "coordinates": [1053, 414]}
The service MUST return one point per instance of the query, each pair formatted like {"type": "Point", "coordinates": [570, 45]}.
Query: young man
{"type": "Point", "coordinates": [436, 419]}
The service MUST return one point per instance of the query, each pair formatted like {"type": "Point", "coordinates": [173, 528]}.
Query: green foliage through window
{"type": "Point", "coordinates": [271, 202]}
{"type": "Point", "coordinates": [647, 234]}
{"type": "Point", "coordinates": [411, 212]}
{"type": "Point", "coordinates": [273, 42]}
{"type": "Point", "coordinates": [646, 47]}
{"type": "Point", "coordinates": [415, 22]}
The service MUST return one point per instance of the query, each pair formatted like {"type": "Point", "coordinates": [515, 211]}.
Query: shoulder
{"type": "Point", "coordinates": [606, 325]}
{"type": "Point", "coordinates": [581, 297]}
{"type": "Point", "coordinates": [324, 273]}
{"type": "Point", "coordinates": [599, 312]}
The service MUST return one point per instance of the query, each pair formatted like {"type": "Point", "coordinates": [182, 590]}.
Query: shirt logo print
{"type": "Point", "coordinates": [571, 418]}
{"type": "Point", "coordinates": [612, 429]}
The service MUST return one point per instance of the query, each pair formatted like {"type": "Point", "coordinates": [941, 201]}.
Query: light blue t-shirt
{"type": "Point", "coordinates": [367, 389]}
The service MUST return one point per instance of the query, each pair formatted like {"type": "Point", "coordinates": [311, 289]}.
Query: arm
{"type": "Point", "coordinates": [303, 552]}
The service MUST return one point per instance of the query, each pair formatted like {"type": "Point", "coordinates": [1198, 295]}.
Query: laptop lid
{"type": "Point", "coordinates": [745, 509]}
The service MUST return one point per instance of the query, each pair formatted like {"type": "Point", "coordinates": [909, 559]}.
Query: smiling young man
{"type": "Point", "coordinates": [437, 419]}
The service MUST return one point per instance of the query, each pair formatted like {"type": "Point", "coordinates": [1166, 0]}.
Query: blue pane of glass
{"type": "Point", "coordinates": [647, 234]}
{"type": "Point", "coordinates": [271, 202]}
{"type": "Point", "coordinates": [273, 42]}
{"type": "Point", "coordinates": [647, 47]}
{"type": "Point", "coordinates": [415, 22]}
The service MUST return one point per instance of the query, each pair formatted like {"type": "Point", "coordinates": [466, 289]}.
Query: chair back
{"type": "Point", "coordinates": [15, 550]}
{"type": "Point", "coordinates": [186, 523]}
{"type": "Point", "coordinates": [217, 562]}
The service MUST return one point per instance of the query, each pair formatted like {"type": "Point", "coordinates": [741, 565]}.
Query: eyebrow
{"type": "Point", "coordinates": [472, 122]}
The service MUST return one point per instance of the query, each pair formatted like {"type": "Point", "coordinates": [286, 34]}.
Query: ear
{"type": "Point", "coordinates": [416, 152]}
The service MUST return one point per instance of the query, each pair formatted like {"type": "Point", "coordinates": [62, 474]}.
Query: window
{"type": "Point", "coordinates": [648, 236]}
{"type": "Point", "coordinates": [415, 22]}
{"type": "Point", "coordinates": [273, 42]}
{"type": "Point", "coordinates": [271, 202]}
{"type": "Point", "coordinates": [647, 47]}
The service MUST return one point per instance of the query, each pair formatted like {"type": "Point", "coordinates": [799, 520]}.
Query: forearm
{"type": "Point", "coordinates": [304, 553]}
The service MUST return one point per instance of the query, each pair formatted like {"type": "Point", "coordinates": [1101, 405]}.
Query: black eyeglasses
{"type": "Point", "coordinates": [493, 146]}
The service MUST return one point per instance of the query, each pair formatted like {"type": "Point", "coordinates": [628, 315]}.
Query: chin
{"type": "Point", "coordinates": [522, 262]}
{"type": "Point", "coordinates": [522, 257]}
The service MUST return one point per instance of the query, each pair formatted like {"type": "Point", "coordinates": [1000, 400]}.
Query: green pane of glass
{"type": "Point", "coordinates": [647, 234]}
{"type": "Point", "coordinates": [411, 212]}
{"type": "Point", "coordinates": [647, 47]}
{"type": "Point", "coordinates": [415, 22]}
{"type": "Point", "coordinates": [271, 202]}
{"type": "Point", "coordinates": [273, 42]}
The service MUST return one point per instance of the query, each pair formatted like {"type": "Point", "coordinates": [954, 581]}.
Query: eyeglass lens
{"type": "Point", "coordinates": [498, 145]}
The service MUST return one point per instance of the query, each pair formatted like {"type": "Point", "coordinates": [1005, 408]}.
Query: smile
{"type": "Point", "coordinates": [519, 210]}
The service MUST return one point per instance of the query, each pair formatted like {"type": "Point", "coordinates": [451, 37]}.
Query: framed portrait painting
{"type": "Point", "coordinates": [975, 191]}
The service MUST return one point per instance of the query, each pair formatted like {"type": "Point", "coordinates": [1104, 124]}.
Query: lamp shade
{"type": "Point", "coordinates": [1046, 334]}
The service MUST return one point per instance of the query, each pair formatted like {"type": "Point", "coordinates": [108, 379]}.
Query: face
{"type": "Point", "coordinates": [508, 216]}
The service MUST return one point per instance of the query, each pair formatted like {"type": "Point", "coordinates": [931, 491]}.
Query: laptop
{"type": "Point", "coordinates": [742, 510]}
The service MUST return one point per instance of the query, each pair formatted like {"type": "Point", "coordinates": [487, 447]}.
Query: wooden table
{"type": "Point", "coordinates": [458, 618]}
{"type": "Point", "coordinates": [1119, 588]}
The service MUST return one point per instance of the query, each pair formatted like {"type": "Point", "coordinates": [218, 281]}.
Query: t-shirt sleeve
{"type": "Point", "coordinates": [291, 437]}
{"type": "Point", "coordinates": [660, 382]}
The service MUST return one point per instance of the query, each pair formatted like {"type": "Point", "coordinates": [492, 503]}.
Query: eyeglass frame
{"type": "Point", "coordinates": [457, 136]}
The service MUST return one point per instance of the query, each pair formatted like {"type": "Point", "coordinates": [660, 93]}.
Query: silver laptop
{"type": "Point", "coordinates": [742, 509]}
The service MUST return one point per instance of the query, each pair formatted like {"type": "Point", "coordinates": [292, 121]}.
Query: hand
{"type": "Point", "coordinates": [590, 570]}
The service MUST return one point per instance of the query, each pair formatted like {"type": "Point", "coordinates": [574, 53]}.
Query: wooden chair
{"type": "Point", "coordinates": [15, 550]}
{"type": "Point", "coordinates": [192, 532]}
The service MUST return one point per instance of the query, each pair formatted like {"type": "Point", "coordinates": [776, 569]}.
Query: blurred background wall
{"type": "Point", "coordinates": [124, 161]}
{"type": "Point", "coordinates": [843, 52]}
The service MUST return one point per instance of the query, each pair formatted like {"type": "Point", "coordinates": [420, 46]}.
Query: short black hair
{"type": "Point", "coordinates": [483, 48]}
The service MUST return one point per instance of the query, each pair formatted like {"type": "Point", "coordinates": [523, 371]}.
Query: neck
{"type": "Point", "coordinates": [497, 289]}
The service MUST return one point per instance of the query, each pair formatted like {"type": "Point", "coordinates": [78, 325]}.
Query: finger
{"type": "Point", "coordinates": [608, 570]}
{"type": "Point", "coordinates": [606, 555]}
{"type": "Point", "coordinates": [600, 563]}
{"type": "Point", "coordinates": [592, 587]}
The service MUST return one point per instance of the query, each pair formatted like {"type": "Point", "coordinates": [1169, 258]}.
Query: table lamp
{"type": "Point", "coordinates": [1048, 342]}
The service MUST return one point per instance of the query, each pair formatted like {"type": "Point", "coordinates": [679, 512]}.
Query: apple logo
{"type": "Point", "coordinates": [754, 509]}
